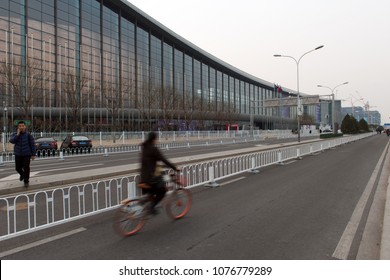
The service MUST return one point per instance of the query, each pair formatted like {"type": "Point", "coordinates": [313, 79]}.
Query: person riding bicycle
{"type": "Point", "coordinates": [149, 158]}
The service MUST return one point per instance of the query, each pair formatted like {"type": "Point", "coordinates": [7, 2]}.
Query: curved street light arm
{"type": "Point", "coordinates": [317, 48]}
{"type": "Point", "coordinates": [339, 85]}
{"type": "Point", "coordinates": [333, 107]}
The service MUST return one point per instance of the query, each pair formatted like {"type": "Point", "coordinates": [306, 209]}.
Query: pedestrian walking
{"type": "Point", "coordinates": [24, 151]}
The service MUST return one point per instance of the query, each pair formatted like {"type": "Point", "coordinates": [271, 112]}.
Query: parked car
{"type": "Point", "coordinates": [46, 146]}
{"type": "Point", "coordinates": [76, 143]}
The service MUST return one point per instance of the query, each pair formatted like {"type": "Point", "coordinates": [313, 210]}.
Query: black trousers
{"type": "Point", "coordinates": [157, 190]}
{"type": "Point", "coordinates": [22, 166]}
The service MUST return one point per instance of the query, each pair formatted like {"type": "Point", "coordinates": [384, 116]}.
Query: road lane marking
{"type": "Point", "coordinates": [344, 246]}
{"type": "Point", "coordinates": [73, 167]}
{"type": "Point", "coordinates": [232, 181]}
{"type": "Point", "coordinates": [41, 242]}
{"type": "Point", "coordinates": [16, 176]}
{"type": "Point", "coordinates": [289, 162]}
{"type": "Point", "coordinates": [32, 174]}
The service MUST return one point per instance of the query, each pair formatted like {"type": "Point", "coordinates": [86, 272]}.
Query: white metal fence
{"type": "Point", "coordinates": [168, 140]}
{"type": "Point", "coordinates": [125, 137]}
{"type": "Point", "coordinates": [33, 211]}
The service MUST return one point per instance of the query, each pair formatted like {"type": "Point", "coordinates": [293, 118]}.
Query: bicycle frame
{"type": "Point", "coordinates": [131, 215]}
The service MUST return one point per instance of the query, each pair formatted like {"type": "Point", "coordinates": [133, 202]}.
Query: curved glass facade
{"type": "Point", "coordinates": [105, 65]}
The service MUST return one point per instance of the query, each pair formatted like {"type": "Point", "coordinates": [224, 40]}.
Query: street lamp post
{"type": "Point", "coordinates": [299, 106]}
{"type": "Point", "coordinates": [333, 115]}
{"type": "Point", "coordinates": [5, 117]}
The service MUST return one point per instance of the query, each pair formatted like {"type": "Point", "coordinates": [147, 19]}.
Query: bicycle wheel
{"type": "Point", "coordinates": [179, 203]}
{"type": "Point", "coordinates": [129, 218]}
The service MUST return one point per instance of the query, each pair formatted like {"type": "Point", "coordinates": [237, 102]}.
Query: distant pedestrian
{"type": "Point", "coordinates": [24, 151]}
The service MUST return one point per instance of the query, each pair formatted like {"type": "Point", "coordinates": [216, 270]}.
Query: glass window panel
{"type": "Point", "coordinates": [17, 8]}
{"type": "Point", "coordinates": [167, 66]}
{"type": "Point", "coordinates": [219, 96]}
{"type": "Point", "coordinates": [62, 6]}
{"type": "Point", "coordinates": [187, 79]}
{"type": "Point", "coordinates": [212, 91]}
{"type": "Point", "coordinates": [197, 79]}
{"type": "Point", "coordinates": [225, 96]}
{"type": "Point", "coordinates": [179, 80]}
{"type": "Point", "coordinates": [238, 95]}
{"type": "Point", "coordinates": [142, 67]}
{"type": "Point", "coordinates": [47, 19]}
{"type": "Point", "coordinates": [206, 88]}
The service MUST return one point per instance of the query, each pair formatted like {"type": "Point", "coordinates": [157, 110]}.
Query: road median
{"type": "Point", "coordinates": [58, 180]}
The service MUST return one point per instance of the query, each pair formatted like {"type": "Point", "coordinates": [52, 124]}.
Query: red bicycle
{"type": "Point", "coordinates": [132, 214]}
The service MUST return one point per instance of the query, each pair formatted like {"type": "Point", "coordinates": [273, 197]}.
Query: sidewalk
{"type": "Point", "coordinates": [385, 244]}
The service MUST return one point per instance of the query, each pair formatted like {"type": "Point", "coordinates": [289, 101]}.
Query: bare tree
{"type": "Point", "coordinates": [113, 101]}
{"type": "Point", "coordinates": [25, 81]}
{"type": "Point", "coordinates": [169, 101]}
{"type": "Point", "coordinates": [202, 111]}
{"type": "Point", "coordinates": [188, 109]}
{"type": "Point", "coordinates": [307, 119]}
{"type": "Point", "coordinates": [145, 104]}
{"type": "Point", "coordinates": [228, 115]}
{"type": "Point", "coordinates": [72, 87]}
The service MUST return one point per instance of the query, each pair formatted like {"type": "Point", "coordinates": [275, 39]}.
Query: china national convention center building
{"type": "Point", "coordinates": [90, 65]}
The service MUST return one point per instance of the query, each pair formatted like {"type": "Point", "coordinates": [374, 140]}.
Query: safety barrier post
{"type": "Point", "coordinates": [61, 156]}
{"type": "Point", "coordinates": [253, 168]}
{"type": "Point", "coordinates": [131, 190]}
{"type": "Point", "coordinates": [211, 182]}
{"type": "Point", "coordinates": [105, 152]}
{"type": "Point", "coordinates": [280, 162]}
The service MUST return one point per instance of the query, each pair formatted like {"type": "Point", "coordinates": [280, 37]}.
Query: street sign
{"type": "Point", "coordinates": [27, 122]}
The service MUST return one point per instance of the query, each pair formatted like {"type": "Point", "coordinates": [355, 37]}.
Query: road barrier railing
{"type": "Point", "coordinates": [168, 140]}
{"type": "Point", "coordinates": [23, 213]}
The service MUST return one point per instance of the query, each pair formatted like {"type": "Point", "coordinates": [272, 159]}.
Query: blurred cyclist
{"type": "Point", "coordinates": [149, 173]}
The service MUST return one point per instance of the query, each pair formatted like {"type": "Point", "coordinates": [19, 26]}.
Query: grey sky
{"type": "Point", "coordinates": [247, 33]}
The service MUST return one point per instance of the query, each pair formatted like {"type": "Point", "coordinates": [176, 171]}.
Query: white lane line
{"type": "Point", "coordinates": [73, 167]}
{"type": "Point", "coordinates": [51, 164]}
{"type": "Point", "coordinates": [16, 176]}
{"type": "Point", "coordinates": [344, 246]}
{"type": "Point", "coordinates": [41, 242]}
{"type": "Point", "coordinates": [32, 174]}
{"type": "Point", "coordinates": [289, 162]}
{"type": "Point", "coordinates": [232, 181]}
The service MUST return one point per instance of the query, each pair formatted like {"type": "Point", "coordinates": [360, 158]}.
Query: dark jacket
{"type": "Point", "coordinates": [149, 158]}
{"type": "Point", "coordinates": [24, 144]}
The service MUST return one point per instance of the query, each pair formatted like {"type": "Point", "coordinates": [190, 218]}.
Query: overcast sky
{"type": "Point", "coordinates": [247, 33]}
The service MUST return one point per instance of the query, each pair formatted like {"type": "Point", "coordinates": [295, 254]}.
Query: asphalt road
{"type": "Point", "coordinates": [295, 211]}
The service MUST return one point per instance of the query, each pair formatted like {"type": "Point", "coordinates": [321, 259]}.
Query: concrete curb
{"type": "Point", "coordinates": [385, 243]}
